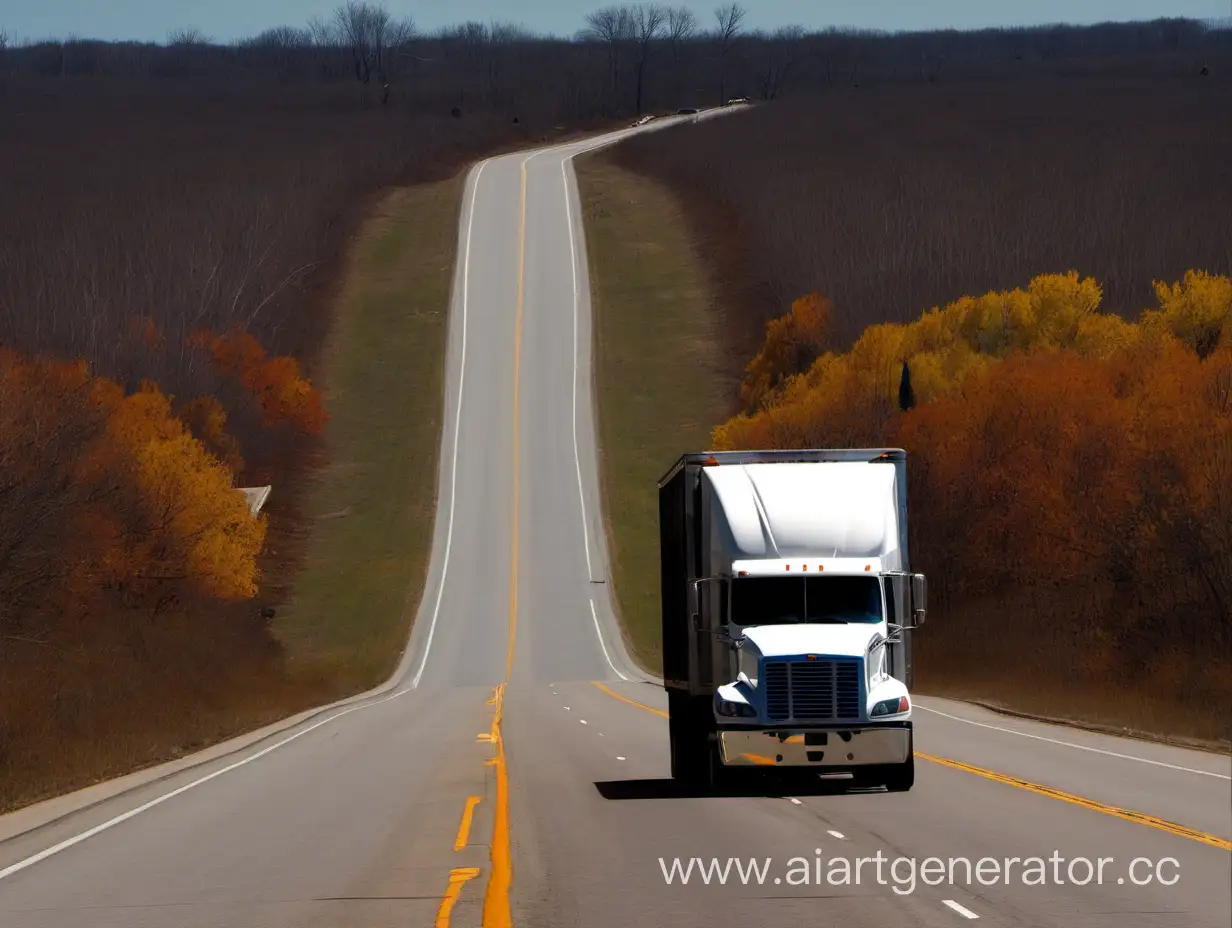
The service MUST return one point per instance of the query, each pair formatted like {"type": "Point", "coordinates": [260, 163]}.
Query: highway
{"type": "Point", "coordinates": [515, 769]}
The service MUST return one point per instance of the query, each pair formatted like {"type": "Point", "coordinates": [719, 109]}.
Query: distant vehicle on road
{"type": "Point", "coordinates": [642, 121]}
{"type": "Point", "coordinates": [788, 607]}
{"type": "Point", "coordinates": [738, 101]}
{"type": "Point", "coordinates": [687, 111]}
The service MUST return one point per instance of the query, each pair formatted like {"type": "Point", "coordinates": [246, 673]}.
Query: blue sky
{"type": "Point", "coordinates": [230, 19]}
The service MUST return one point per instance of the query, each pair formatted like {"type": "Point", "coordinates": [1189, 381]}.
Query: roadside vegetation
{"type": "Point", "coordinates": [662, 370]}
{"type": "Point", "coordinates": [1070, 486]}
{"type": "Point", "coordinates": [369, 512]}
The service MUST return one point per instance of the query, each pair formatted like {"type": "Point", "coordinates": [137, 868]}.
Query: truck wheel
{"type": "Point", "coordinates": [689, 745]}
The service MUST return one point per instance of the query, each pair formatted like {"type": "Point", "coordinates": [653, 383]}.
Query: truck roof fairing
{"type": "Point", "coordinates": [780, 511]}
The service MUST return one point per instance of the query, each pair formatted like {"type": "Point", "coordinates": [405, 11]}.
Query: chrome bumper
{"type": "Point", "coordinates": [836, 748]}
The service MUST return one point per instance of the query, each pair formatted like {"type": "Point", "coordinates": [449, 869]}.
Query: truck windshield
{"type": "Point", "coordinates": [782, 601]}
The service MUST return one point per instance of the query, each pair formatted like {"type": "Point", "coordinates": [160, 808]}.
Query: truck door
{"type": "Point", "coordinates": [722, 657]}
{"type": "Point", "coordinates": [703, 635]}
{"type": "Point", "coordinates": [898, 610]}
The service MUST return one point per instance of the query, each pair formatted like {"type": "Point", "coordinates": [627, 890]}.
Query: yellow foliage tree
{"type": "Point", "coordinates": [194, 526]}
{"type": "Point", "coordinates": [1197, 310]}
{"type": "Point", "coordinates": [792, 341]}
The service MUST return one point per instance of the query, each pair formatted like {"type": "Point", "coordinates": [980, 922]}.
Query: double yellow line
{"type": "Point", "coordinates": [497, 912]}
{"type": "Point", "coordinates": [1128, 814]}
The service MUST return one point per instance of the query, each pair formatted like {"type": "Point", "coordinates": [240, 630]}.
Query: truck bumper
{"type": "Point", "coordinates": [835, 748]}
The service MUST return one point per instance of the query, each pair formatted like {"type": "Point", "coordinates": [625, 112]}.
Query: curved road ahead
{"type": "Point", "coordinates": [493, 782]}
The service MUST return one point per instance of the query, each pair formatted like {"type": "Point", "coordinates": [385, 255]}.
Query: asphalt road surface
{"type": "Point", "coordinates": [493, 782]}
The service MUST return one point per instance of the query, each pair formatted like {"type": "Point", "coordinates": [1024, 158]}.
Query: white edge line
{"type": "Point", "coordinates": [132, 813]}
{"type": "Point", "coordinates": [577, 460]}
{"type": "Point", "coordinates": [1077, 747]}
{"type": "Point", "coordinates": [961, 910]}
{"type": "Point", "coordinates": [457, 427]}
{"type": "Point", "coordinates": [595, 616]}
{"type": "Point", "coordinates": [837, 834]}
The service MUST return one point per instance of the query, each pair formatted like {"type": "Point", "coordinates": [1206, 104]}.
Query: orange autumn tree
{"type": "Point", "coordinates": [792, 341]}
{"type": "Point", "coordinates": [187, 523]}
{"type": "Point", "coordinates": [103, 493]}
{"type": "Point", "coordinates": [280, 390]}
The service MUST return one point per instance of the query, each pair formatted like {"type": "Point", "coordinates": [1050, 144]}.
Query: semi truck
{"type": "Point", "coordinates": [788, 604]}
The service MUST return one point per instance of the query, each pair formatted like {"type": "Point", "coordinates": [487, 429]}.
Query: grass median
{"type": "Point", "coordinates": [371, 507]}
{"type": "Point", "coordinates": [662, 378]}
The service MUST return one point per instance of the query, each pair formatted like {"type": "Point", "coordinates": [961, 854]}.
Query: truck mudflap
{"type": "Point", "coordinates": [841, 748]}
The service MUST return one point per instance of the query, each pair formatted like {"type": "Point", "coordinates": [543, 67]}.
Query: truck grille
{"type": "Point", "coordinates": [813, 690]}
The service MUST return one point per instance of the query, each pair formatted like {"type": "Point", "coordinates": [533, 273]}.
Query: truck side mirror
{"type": "Point", "coordinates": [919, 598]}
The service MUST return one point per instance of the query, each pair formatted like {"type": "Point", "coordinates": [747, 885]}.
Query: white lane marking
{"type": "Point", "coordinates": [961, 910]}
{"type": "Point", "coordinates": [457, 426]}
{"type": "Point", "coordinates": [1077, 747]}
{"type": "Point", "coordinates": [583, 721]}
{"type": "Point", "coordinates": [795, 801]}
{"type": "Point", "coordinates": [577, 460]}
{"type": "Point", "coordinates": [133, 813]}
{"type": "Point", "coordinates": [619, 757]}
{"type": "Point", "coordinates": [595, 618]}
{"type": "Point", "coordinates": [566, 708]}
{"type": "Point", "coordinates": [837, 834]}
{"type": "Point", "coordinates": [600, 734]}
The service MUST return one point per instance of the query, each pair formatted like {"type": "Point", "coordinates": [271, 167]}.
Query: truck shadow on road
{"type": "Point", "coordinates": [667, 788]}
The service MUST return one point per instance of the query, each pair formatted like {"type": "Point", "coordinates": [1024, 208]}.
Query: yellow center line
{"type": "Point", "coordinates": [633, 702]}
{"type": "Point", "coordinates": [464, 828]}
{"type": "Point", "coordinates": [497, 912]}
{"type": "Point", "coordinates": [1127, 814]}
{"type": "Point", "coordinates": [457, 879]}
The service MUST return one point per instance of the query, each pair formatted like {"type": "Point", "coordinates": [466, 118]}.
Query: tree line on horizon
{"type": "Point", "coordinates": [625, 59]}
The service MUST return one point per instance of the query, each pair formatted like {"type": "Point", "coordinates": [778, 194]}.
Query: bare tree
{"type": "Point", "coordinates": [681, 26]}
{"type": "Point", "coordinates": [4, 39]}
{"type": "Point", "coordinates": [648, 22]}
{"type": "Point", "coordinates": [778, 57]}
{"type": "Point", "coordinates": [280, 37]}
{"type": "Point", "coordinates": [614, 27]}
{"type": "Point", "coordinates": [365, 29]}
{"type": "Point", "coordinates": [324, 33]}
{"type": "Point", "coordinates": [189, 35]}
{"type": "Point", "coordinates": [729, 20]}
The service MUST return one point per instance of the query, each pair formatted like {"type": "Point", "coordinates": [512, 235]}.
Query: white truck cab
{"type": "Point", "coordinates": [787, 611]}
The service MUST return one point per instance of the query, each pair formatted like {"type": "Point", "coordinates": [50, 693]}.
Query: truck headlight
{"type": "Point", "coordinates": [731, 709]}
{"type": "Point", "coordinates": [890, 707]}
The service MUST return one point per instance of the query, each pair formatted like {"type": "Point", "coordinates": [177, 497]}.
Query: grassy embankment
{"type": "Point", "coordinates": [660, 378]}
{"type": "Point", "coordinates": [372, 506]}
